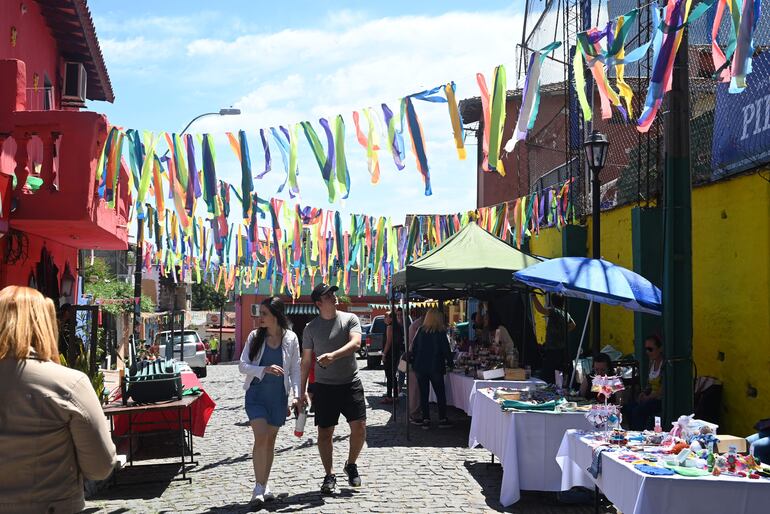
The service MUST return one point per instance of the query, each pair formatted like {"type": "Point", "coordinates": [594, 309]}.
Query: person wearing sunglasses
{"type": "Point", "coordinates": [649, 403]}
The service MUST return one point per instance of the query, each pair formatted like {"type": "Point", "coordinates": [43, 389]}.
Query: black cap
{"type": "Point", "coordinates": [320, 290]}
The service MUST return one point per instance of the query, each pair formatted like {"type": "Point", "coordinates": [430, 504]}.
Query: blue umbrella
{"type": "Point", "coordinates": [596, 280]}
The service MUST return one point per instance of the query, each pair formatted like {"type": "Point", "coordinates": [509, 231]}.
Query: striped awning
{"type": "Point", "coordinates": [301, 309]}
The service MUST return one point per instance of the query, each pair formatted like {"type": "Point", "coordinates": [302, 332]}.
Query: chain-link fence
{"type": "Point", "coordinates": [553, 153]}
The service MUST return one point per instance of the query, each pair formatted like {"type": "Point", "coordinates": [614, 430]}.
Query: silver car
{"type": "Point", "coordinates": [193, 353]}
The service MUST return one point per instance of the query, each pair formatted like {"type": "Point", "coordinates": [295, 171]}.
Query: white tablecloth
{"type": "Point", "coordinates": [526, 444]}
{"type": "Point", "coordinates": [633, 492]}
{"type": "Point", "coordinates": [460, 388]}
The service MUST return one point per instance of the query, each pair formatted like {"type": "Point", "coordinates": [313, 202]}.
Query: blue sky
{"type": "Point", "coordinates": [172, 60]}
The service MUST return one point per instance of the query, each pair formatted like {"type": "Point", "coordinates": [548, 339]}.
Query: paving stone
{"type": "Point", "coordinates": [432, 471]}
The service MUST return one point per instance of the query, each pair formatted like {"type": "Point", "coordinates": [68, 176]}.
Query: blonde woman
{"type": "Point", "coordinates": [52, 430]}
{"type": "Point", "coordinates": [432, 356]}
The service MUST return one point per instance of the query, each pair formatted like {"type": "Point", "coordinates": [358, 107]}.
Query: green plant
{"type": "Point", "coordinates": [206, 298]}
{"type": "Point", "coordinates": [103, 285]}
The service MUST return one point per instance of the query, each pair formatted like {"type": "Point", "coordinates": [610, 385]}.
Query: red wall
{"type": "Point", "coordinates": [17, 274]}
{"type": "Point", "coordinates": [34, 43]}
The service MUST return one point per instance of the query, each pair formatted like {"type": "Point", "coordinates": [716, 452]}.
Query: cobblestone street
{"type": "Point", "coordinates": [434, 472]}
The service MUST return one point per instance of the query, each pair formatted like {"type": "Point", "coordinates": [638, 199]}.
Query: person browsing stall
{"type": "Point", "coordinates": [602, 367]}
{"type": "Point", "coordinates": [394, 347]}
{"type": "Point", "coordinates": [432, 356]}
{"type": "Point", "coordinates": [53, 433]}
{"type": "Point", "coordinates": [271, 363]}
{"type": "Point", "coordinates": [556, 329]}
{"type": "Point", "coordinates": [335, 337]}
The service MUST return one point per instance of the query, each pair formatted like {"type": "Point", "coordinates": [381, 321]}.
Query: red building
{"type": "Point", "coordinates": [50, 64]}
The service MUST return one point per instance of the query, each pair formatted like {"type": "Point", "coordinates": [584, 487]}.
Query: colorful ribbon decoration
{"type": "Point", "coordinates": [530, 102]}
{"type": "Point", "coordinates": [343, 178]}
{"type": "Point", "coordinates": [456, 119]}
{"type": "Point", "coordinates": [497, 120]}
{"type": "Point", "coordinates": [744, 49]}
{"type": "Point", "coordinates": [395, 136]}
{"type": "Point", "coordinates": [369, 143]}
{"type": "Point", "coordinates": [325, 161]}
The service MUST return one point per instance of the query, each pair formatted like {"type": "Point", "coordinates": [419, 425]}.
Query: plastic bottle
{"type": "Point", "coordinates": [299, 426]}
{"type": "Point", "coordinates": [658, 428]}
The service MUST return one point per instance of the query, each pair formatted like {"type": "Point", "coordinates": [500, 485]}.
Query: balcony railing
{"type": "Point", "coordinates": [53, 156]}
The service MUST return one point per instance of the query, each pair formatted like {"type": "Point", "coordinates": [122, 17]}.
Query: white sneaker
{"type": "Point", "coordinates": [258, 496]}
{"type": "Point", "coordinates": [268, 494]}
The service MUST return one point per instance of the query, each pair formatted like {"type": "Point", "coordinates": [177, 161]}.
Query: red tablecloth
{"type": "Point", "coordinates": [168, 419]}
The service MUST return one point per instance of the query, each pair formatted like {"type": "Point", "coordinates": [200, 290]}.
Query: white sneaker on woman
{"type": "Point", "coordinates": [268, 494]}
{"type": "Point", "coordinates": [258, 496]}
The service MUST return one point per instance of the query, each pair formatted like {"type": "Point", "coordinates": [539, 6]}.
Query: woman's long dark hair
{"type": "Point", "coordinates": [275, 306]}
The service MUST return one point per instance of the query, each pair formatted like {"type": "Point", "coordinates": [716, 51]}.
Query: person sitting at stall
{"type": "Point", "coordinates": [602, 366]}
{"type": "Point", "coordinates": [432, 356]}
{"type": "Point", "coordinates": [649, 403]}
{"type": "Point", "coordinates": [53, 433]}
{"type": "Point", "coordinates": [759, 443]}
{"type": "Point", "coordinates": [558, 325]}
{"type": "Point", "coordinates": [502, 338]}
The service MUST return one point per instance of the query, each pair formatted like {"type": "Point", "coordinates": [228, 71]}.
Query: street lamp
{"type": "Point", "coordinates": [596, 156]}
{"type": "Point", "coordinates": [222, 112]}
{"type": "Point", "coordinates": [140, 234]}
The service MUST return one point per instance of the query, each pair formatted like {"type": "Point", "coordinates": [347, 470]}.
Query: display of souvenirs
{"type": "Point", "coordinates": [683, 451]}
{"type": "Point", "coordinates": [606, 386]}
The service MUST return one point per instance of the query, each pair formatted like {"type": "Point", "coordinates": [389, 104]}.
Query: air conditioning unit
{"type": "Point", "coordinates": [74, 91]}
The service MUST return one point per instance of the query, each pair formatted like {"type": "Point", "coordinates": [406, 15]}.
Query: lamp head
{"type": "Point", "coordinates": [596, 150]}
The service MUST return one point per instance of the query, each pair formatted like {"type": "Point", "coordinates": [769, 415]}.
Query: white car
{"type": "Point", "coordinates": [194, 353]}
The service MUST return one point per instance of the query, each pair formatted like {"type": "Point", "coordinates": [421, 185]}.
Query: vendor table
{"type": "Point", "coordinates": [460, 388]}
{"type": "Point", "coordinates": [525, 442]}
{"type": "Point", "coordinates": [182, 412]}
{"type": "Point", "coordinates": [634, 492]}
{"type": "Point", "coordinates": [154, 420]}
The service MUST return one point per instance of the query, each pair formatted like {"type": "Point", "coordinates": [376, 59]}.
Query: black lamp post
{"type": "Point", "coordinates": [596, 156]}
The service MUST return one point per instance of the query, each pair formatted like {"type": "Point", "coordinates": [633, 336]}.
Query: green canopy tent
{"type": "Point", "coordinates": [471, 262]}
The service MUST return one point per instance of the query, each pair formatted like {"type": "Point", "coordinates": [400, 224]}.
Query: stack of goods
{"type": "Point", "coordinates": [526, 399]}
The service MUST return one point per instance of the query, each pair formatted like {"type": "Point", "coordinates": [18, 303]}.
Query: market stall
{"type": "Point", "coordinates": [525, 441]}
{"type": "Point", "coordinates": [639, 477]}
{"type": "Point", "coordinates": [472, 262]}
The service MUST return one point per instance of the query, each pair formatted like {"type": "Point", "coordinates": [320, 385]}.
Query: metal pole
{"type": "Point", "coordinates": [405, 303]}
{"type": "Point", "coordinates": [138, 278]}
{"type": "Point", "coordinates": [596, 254]}
{"type": "Point", "coordinates": [393, 370]}
{"type": "Point", "coordinates": [677, 246]}
{"type": "Point", "coordinates": [221, 324]}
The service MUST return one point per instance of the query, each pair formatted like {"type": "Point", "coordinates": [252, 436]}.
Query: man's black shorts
{"type": "Point", "coordinates": [329, 401]}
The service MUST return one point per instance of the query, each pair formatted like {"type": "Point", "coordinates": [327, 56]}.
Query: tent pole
{"type": "Point", "coordinates": [405, 306]}
{"type": "Point", "coordinates": [393, 354]}
{"type": "Point", "coordinates": [580, 346]}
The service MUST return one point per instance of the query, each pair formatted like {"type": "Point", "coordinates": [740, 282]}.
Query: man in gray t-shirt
{"type": "Point", "coordinates": [324, 336]}
{"type": "Point", "coordinates": [335, 338]}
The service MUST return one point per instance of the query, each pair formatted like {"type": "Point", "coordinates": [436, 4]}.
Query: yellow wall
{"type": "Point", "coordinates": [731, 290]}
{"type": "Point", "coordinates": [731, 295]}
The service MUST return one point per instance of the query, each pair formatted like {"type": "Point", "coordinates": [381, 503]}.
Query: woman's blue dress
{"type": "Point", "coordinates": [267, 398]}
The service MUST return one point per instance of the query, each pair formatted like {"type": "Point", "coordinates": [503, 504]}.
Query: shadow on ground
{"type": "Point", "coordinates": [489, 476]}
{"type": "Point", "coordinates": [294, 503]}
{"type": "Point", "coordinates": [396, 433]}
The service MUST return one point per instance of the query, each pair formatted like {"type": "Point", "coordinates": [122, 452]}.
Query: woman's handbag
{"type": "Point", "coordinates": [402, 363]}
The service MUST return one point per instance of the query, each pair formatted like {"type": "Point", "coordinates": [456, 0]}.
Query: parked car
{"type": "Point", "coordinates": [375, 340]}
{"type": "Point", "coordinates": [194, 352]}
{"type": "Point", "coordinates": [364, 335]}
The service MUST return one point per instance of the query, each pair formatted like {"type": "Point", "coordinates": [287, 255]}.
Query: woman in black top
{"type": "Point", "coordinates": [432, 356]}
{"type": "Point", "coordinates": [391, 353]}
